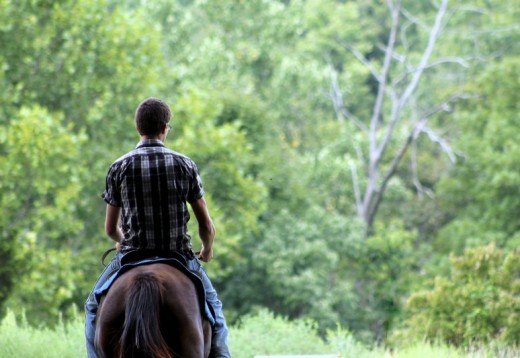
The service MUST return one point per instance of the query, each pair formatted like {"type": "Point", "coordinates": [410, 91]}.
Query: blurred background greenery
{"type": "Point", "coordinates": [360, 157]}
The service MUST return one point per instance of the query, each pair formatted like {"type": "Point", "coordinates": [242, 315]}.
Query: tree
{"type": "Point", "coordinates": [297, 269]}
{"type": "Point", "coordinates": [38, 199]}
{"type": "Point", "coordinates": [210, 130]}
{"type": "Point", "coordinates": [481, 195]}
{"type": "Point", "coordinates": [70, 81]}
{"type": "Point", "coordinates": [400, 111]}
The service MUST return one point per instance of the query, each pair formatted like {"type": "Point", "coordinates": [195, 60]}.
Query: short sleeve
{"type": "Point", "coordinates": [196, 190]}
{"type": "Point", "coordinates": [112, 193]}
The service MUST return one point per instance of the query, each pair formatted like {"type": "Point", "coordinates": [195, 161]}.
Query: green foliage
{"type": "Point", "coordinates": [297, 267]}
{"type": "Point", "coordinates": [19, 339]}
{"type": "Point", "coordinates": [499, 39]}
{"type": "Point", "coordinates": [250, 88]}
{"type": "Point", "coordinates": [52, 287]}
{"type": "Point", "coordinates": [479, 302]}
{"type": "Point", "coordinates": [383, 270]}
{"type": "Point", "coordinates": [91, 65]}
{"type": "Point", "coordinates": [482, 193]}
{"type": "Point", "coordinates": [75, 70]}
{"type": "Point", "coordinates": [259, 334]}
{"type": "Point", "coordinates": [39, 156]}
{"type": "Point", "coordinates": [266, 334]}
{"type": "Point", "coordinates": [40, 147]}
{"type": "Point", "coordinates": [211, 131]}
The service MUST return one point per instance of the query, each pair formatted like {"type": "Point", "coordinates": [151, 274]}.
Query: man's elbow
{"type": "Point", "coordinates": [207, 228]}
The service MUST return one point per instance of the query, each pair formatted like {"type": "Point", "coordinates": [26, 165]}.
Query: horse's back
{"type": "Point", "coordinates": [162, 297]}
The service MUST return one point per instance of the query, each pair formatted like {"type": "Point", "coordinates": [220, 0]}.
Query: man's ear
{"type": "Point", "coordinates": [165, 129]}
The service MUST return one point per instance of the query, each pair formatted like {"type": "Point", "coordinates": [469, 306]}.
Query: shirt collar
{"type": "Point", "coordinates": [150, 143]}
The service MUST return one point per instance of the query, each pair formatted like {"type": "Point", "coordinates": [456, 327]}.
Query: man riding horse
{"type": "Point", "coordinates": [147, 191]}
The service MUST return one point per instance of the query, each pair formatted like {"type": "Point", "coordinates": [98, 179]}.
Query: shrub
{"type": "Point", "coordinates": [480, 302]}
{"type": "Point", "coordinates": [267, 334]}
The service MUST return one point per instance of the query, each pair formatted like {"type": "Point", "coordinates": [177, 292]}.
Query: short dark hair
{"type": "Point", "coordinates": [151, 116]}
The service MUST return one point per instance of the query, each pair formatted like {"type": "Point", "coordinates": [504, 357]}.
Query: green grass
{"type": "Point", "coordinates": [262, 334]}
{"type": "Point", "coordinates": [19, 340]}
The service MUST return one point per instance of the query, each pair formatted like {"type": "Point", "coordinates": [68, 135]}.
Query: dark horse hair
{"type": "Point", "coordinates": [152, 311]}
{"type": "Point", "coordinates": [142, 317]}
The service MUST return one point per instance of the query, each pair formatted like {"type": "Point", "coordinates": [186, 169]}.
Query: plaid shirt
{"type": "Point", "coordinates": [151, 184]}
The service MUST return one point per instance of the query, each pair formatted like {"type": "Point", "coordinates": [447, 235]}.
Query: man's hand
{"type": "Point", "coordinates": [206, 254]}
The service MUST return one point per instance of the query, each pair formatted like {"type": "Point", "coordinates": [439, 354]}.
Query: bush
{"type": "Point", "coordinates": [265, 334]}
{"type": "Point", "coordinates": [480, 302]}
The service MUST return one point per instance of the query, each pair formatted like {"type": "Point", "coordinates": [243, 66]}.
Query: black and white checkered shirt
{"type": "Point", "coordinates": [152, 184]}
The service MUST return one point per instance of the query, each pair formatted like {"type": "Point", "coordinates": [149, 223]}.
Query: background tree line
{"type": "Point", "coordinates": [360, 157]}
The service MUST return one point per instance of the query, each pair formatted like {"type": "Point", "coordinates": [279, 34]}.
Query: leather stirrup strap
{"type": "Point", "coordinates": [105, 254]}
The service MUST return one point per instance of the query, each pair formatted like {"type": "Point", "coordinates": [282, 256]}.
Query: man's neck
{"type": "Point", "coordinates": [148, 137]}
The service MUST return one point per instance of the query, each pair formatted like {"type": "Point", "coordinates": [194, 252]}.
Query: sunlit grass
{"type": "Point", "coordinates": [262, 334]}
{"type": "Point", "coordinates": [18, 339]}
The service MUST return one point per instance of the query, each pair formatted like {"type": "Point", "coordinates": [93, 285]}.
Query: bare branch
{"type": "Point", "coordinates": [469, 8]}
{"type": "Point", "coordinates": [443, 144]}
{"type": "Point", "coordinates": [362, 59]}
{"type": "Point", "coordinates": [335, 95]}
{"type": "Point", "coordinates": [434, 137]}
{"type": "Point", "coordinates": [420, 127]}
{"type": "Point", "coordinates": [354, 119]}
{"type": "Point", "coordinates": [395, 95]}
{"type": "Point", "coordinates": [374, 153]}
{"type": "Point", "coordinates": [378, 193]}
{"type": "Point", "coordinates": [413, 20]}
{"type": "Point", "coordinates": [341, 110]}
{"type": "Point", "coordinates": [434, 33]}
{"type": "Point", "coordinates": [357, 193]}
{"type": "Point", "coordinates": [396, 56]}
{"type": "Point", "coordinates": [413, 165]}
{"type": "Point", "coordinates": [395, 162]}
{"type": "Point", "coordinates": [458, 60]}
{"type": "Point", "coordinates": [396, 107]}
{"type": "Point", "coordinates": [415, 176]}
{"type": "Point", "coordinates": [497, 29]}
{"type": "Point", "coordinates": [445, 105]}
{"type": "Point", "coordinates": [378, 105]}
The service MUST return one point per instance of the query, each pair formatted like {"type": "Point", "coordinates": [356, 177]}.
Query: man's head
{"type": "Point", "coordinates": [152, 117]}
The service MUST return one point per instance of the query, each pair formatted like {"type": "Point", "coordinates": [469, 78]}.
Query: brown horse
{"type": "Point", "coordinates": [152, 311]}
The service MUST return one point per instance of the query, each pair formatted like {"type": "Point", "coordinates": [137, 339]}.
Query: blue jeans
{"type": "Point", "coordinates": [219, 344]}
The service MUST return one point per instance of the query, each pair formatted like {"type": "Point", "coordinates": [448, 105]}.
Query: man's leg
{"type": "Point", "coordinates": [91, 305]}
{"type": "Point", "coordinates": [219, 341]}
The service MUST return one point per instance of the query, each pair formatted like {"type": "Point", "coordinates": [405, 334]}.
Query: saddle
{"type": "Point", "coordinates": [136, 258]}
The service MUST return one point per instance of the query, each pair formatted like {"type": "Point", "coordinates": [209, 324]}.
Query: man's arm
{"type": "Point", "coordinates": [112, 228]}
{"type": "Point", "coordinates": [206, 228]}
